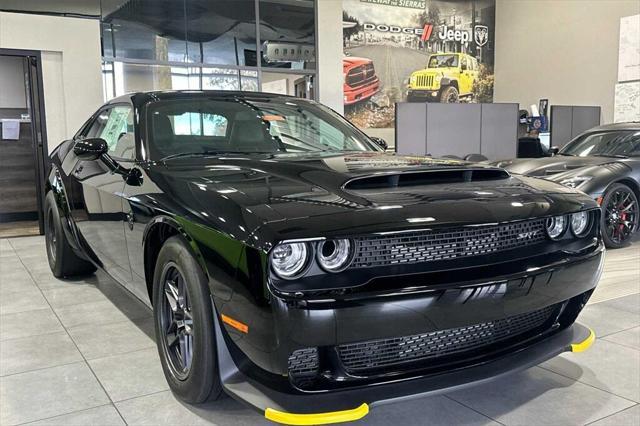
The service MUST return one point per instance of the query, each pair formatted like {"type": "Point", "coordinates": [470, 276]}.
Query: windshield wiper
{"type": "Point", "coordinates": [211, 153]}
{"type": "Point", "coordinates": [610, 155]}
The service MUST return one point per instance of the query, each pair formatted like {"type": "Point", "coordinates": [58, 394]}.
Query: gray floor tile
{"type": "Point", "coordinates": [608, 366]}
{"type": "Point", "coordinates": [100, 340]}
{"type": "Point", "coordinates": [540, 397]}
{"type": "Point", "coordinates": [35, 352]}
{"type": "Point", "coordinates": [163, 409]}
{"type": "Point", "coordinates": [50, 392]}
{"type": "Point", "coordinates": [130, 375]}
{"type": "Point", "coordinates": [14, 282]}
{"type": "Point", "coordinates": [69, 296]}
{"type": "Point", "coordinates": [628, 417]}
{"type": "Point", "coordinates": [28, 323]}
{"type": "Point", "coordinates": [103, 312]}
{"type": "Point", "coordinates": [415, 412]}
{"type": "Point", "coordinates": [20, 301]}
{"type": "Point", "coordinates": [629, 338]}
{"type": "Point", "coordinates": [49, 282]}
{"type": "Point", "coordinates": [628, 303]}
{"type": "Point", "coordinates": [105, 415]}
{"type": "Point", "coordinates": [605, 319]}
{"type": "Point", "coordinates": [26, 243]}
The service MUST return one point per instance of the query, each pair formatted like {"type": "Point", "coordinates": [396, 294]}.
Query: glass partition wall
{"type": "Point", "coordinates": [251, 45]}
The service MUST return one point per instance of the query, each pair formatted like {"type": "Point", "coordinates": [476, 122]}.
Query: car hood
{"type": "Point", "coordinates": [325, 194]}
{"type": "Point", "coordinates": [548, 166]}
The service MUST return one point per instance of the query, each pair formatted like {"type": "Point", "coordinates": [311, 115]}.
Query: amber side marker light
{"type": "Point", "coordinates": [599, 200]}
{"type": "Point", "coordinates": [235, 324]}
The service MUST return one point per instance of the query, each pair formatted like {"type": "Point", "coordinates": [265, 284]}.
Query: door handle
{"type": "Point", "coordinates": [130, 220]}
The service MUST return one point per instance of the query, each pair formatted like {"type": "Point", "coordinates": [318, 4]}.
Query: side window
{"type": "Point", "coordinates": [115, 126]}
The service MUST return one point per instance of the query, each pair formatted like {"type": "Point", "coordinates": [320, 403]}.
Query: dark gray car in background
{"type": "Point", "coordinates": [604, 162]}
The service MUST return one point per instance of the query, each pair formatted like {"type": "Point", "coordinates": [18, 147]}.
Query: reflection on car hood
{"type": "Point", "coordinates": [548, 166]}
{"type": "Point", "coordinates": [271, 189]}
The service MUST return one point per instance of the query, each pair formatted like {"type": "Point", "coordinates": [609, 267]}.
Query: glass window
{"type": "Point", "coordinates": [151, 30]}
{"type": "Point", "coordinates": [220, 79]}
{"type": "Point", "coordinates": [249, 81]}
{"type": "Point", "coordinates": [260, 125]}
{"type": "Point", "coordinates": [221, 31]}
{"type": "Point", "coordinates": [298, 85]}
{"type": "Point", "coordinates": [287, 34]}
{"type": "Point", "coordinates": [115, 126]}
{"type": "Point", "coordinates": [605, 144]}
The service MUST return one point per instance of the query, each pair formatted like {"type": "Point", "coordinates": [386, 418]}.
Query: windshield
{"type": "Point", "coordinates": [443, 61]}
{"type": "Point", "coordinates": [617, 143]}
{"type": "Point", "coordinates": [248, 125]}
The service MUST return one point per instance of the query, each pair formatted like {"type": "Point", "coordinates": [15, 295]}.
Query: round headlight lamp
{"type": "Point", "coordinates": [556, 226]}
{"type": "Point", "coordinates": [334, 255]}
{"type": "Point", "coordinates": [289, 260]}
{"type": "Point", "coordinates": [580, 223]}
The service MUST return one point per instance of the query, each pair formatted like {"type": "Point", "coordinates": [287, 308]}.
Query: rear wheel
{"type": "Point", "coordinates": [62, 259]}
{"type": "Point", "coordinates": [184, 324]}
{"type": "Point", "coordinates": [619, 215]}
{"type": "Point", "coordinates": [449, 95]}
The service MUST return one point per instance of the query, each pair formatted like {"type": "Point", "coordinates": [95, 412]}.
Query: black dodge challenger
{"type": "Point", "coordinates": [604, 162]}
{"type": "Point", "coordinates": [293, 264]}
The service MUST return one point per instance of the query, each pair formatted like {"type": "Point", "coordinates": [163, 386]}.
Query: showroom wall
{"type": "Point", "coordinates": [70, 66]}
{"type": "Point", "coordinates": [330, 79]}
{"type": "Point", "coordinates": [563, 50]}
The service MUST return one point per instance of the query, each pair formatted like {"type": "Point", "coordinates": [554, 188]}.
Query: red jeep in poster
{"type": "Point", "coordinates": [360, 79]}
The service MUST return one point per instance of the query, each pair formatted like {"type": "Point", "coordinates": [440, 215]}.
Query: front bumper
{"type": "Point", "coordinates": [349, 405]}
{"type": "Point", "coordinates": [354, 95]}
{"type": "Point", "coordinates": [426, 94]}
{"type": "Point", "coordinates": [568, 278]}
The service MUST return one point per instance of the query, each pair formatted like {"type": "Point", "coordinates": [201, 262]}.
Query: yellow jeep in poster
{"type": "Point", "coordinates": [447, 78]}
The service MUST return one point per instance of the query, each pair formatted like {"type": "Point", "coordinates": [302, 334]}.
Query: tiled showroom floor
{"type": "Point", "coordinates": [69, 356]}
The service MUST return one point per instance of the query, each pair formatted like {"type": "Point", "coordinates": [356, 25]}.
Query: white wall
{"type": "Point", "coordinates": [329, 55]}
{"type": "Point", "coordinates": [70, 65]}
{"type": "Point", "coordinates": [12, 89]}
{"type": "Point", "coordinates": [563, 50]}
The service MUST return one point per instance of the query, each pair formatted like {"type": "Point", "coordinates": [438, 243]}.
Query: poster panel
{"type": "Point", "coordinates": [416, 51]}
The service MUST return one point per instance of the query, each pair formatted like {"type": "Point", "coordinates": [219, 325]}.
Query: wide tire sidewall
{"type": "Point", "coordinates": [445, 95]}
{"type": "Point", "coordinates": [607, 196]}
{"type": "Point", "coordinates": [202, 383]}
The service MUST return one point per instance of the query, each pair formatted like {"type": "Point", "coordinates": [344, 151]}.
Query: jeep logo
{"type": "Point", "coordinates": [454, 35]}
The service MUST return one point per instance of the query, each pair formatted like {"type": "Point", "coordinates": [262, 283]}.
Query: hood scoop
{"type": "Point", "coordinates": [427, 177]}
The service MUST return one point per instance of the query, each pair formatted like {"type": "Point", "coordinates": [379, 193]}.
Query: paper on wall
{"type": "Point", "coordinates": [627, 102]}
{"type": "Point", "coordinates": [10, 129]}
{"type": "Point", "coordinates": [629, 49]}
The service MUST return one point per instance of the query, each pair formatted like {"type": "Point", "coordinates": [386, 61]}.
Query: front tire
{"type": "Point", "coordinates": [184, 324]}
{"type": "Point", "coordinates": [620, 214]}
{"type": "Point", "coordinates": [63, 261]}
{"type": "Point", "coordinates": [449, 95]}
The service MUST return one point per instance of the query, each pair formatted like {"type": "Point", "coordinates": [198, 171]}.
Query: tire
{"type": "Point", "coordinates": [63, 261]}
{"type": "Point", "coordinates": [449, 95]}
{"type": "Point", "coordinates": [186, 329]}
{"type": "Point", "coordinates": [620, 215]}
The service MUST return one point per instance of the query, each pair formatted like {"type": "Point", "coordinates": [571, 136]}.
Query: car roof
{"type": "Point", "coordinates": [140, 98]}
{"type": "Point", "coordinates": [631, 125]}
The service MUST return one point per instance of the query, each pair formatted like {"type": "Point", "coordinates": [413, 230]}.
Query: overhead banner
{"type": "Point", "coordinates": [415, 51]}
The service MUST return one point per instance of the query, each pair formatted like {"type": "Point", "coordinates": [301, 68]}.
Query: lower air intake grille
{"type": "Point", "coordinates": [433, 245]}
{"type": "Point", "coordinates": [303, 366]}
{"type": "Point", "coordinates": [361, 357]}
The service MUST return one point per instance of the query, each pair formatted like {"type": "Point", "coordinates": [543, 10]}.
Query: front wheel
{"type": "Point", "coordinates": [184, 324]}
{"type": "Point", "coordinates": [619, 215]}
{"type": "Point", "coordinates": [449, 95]}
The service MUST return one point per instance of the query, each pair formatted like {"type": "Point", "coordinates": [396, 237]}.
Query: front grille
{"type": "Point", "coordinates": [451, 243]}
{"type": "Point", "coordinates": [424, 81]}
{"type": "Point", "coordinates": [303, 366]}
{"type": "Point", "coordinates": [366, 356]}
{"type": "Point", "coordinates": [361, 75]}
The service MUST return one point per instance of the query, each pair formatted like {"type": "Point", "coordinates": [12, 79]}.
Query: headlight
{"type": "Point", "coordinates": [438, 78]}
{"type": "Point", "coordinates": [575, 182]}
{"type": "Point", "coordinates": [556, 226]}
{"type": "Point", "coordinates": [334, 255]}
{"type": "Point", "coordinates": [412, 80]}
{"type": "Point", "coordinates": [290, 259]}
{"type": "Point", "coordinates": [580, 223]}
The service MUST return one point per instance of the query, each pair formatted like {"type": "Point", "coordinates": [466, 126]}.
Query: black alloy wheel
{"type": "Point", "coordinates": [177, 321]}
{"type": "Point", "coordinates": [185, 324]}
{"type": "Point", "coordinates": [619, 215]}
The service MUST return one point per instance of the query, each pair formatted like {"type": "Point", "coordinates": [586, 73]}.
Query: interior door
{"type": "Point", "coordinates": [98, 209]}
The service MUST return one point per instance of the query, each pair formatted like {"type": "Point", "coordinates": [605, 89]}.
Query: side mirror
{"type": "Point", "coordinates": [554, 150]}
{"type": "Point", "coordinates": [380, 142]}
{"type": "Point", "coordinates": [90, 149]}
{"type": "Point", "coordinates": [463, 67]}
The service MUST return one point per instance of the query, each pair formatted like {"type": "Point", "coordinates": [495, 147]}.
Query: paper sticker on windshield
{"type": "Point", "coordinates": [273, 118]}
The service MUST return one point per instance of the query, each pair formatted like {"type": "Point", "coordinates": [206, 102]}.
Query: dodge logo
{"type": "Point", "coordinates": [481, 35]}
